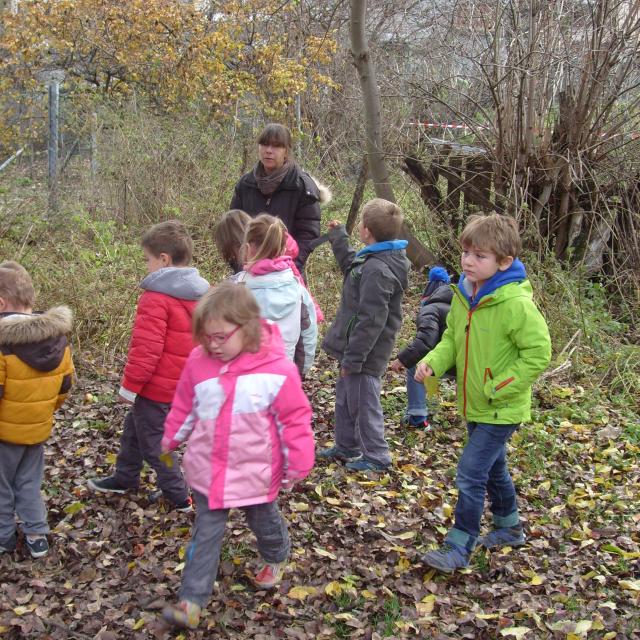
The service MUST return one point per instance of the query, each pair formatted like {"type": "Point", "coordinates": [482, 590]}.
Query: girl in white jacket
{"type": "Point", "coordinates": [283, 299]}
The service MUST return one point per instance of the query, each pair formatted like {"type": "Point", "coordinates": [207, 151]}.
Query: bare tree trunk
{"type": "Point", "coordinates": [418, 255]}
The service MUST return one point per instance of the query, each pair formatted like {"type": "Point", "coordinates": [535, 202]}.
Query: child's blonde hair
{"type": "Point", "coordinates": [16, 286]}
{"type": "Point", "coordinates": [494, 232]}
{"type": "Point", "coordinates": [170, 237]}
{"type": "Point", "coordinates": [268, 235]}
{"type": "Point", "coordinates": [231, 302]}
{"type": "Point", "coordinates": [382, 218]}
{"type": "Point", "coordinates": [228, 234]}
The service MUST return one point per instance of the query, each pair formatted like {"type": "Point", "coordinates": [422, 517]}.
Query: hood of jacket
{"type": "Point", "coordinates": [278, 292]}
{"type": "Point", "coordinates": [437, 291]}
{"type": "Point", "coordinates": [38, 339]}
{"type": "Point", "coordinates": [271, 349]}
{"type": "Point", "coordinates": [515, 273]}
{"type": "Point", "coordinates": [184, 283]}
{"type": "Point", "coordinates": [392, 254]}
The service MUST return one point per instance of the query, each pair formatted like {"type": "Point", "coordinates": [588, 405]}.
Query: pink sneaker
{"type": "Point", "coordinates": [270, 576]}
{"type": "Point", "coordinates": [184, 614]}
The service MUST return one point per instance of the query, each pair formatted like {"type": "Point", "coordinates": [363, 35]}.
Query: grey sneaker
{"type": "Point", "coordinates": [106, 485]}
{"type": "Point", "coordinates": [336, 453]}
{"type": "Point", "coordinates": [37, 545]}
{"type": "Point", "coordinates": [503, 537]}
{"type": "Point", "coordinates": [447, 558]}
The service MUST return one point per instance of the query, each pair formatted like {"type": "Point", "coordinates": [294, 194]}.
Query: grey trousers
{"type": "Point", "coordinates": [141, 442]}
{"type": "Point", "coordinates": [359, 421]}
{"type": "Point", "coordinates": [21, 474]}
{"type": "Point", "coordinates": [203, 553]}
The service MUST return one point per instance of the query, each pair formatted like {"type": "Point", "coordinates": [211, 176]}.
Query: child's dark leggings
{"type": "Point", "coordinates": [203, 553]}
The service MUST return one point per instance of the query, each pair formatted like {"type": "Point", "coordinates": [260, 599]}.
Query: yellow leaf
{"type": "Point", "coordinates": [447, 510]}
{"type": "Point", "coordinates": [630, 585]}
{"type": "Point", "coordinates": [403, 565]}
{"type": "Point", "coordinates": [544, 486]}
{"type": "Point", "coordinates": [343, 616]}
{"type": "Point", "coordinates": [583, 626]}
{"type": "Point", "coordinates": [332, 501]}
{"type": "Point", "coordinates": [426, 605]}
{"type": "Point", "coordinates": [536, 580]}
{"type": "Point", "coordinates": [609, 636]}
{"type": "Point", "coordinates": [181, 552]}
{"type": "Point", "coordinates": [368, 595]}
{"type": "Point", "coordinates": [301, 593]}
{"type": "Point", "coordinates": [167, 459]}
{"type": "Point", "coordinates": [333, 589]}
{"type": "Point", "coordinates": [324, 553]}
{"type": "Point", "coordinates": [20, 611]}
{"type": "Point", "coordinates": [110, 458]}
{"type": "Point", "coordinates": [517, 632]}
{"type": "Point", "coordinates": [487, 616]}
{"type": "Point", "coordinates": [318, 490]}
{"type": "Point", "coordinates": [406, 535]}
{"type": "Point", "coordinates": [74, 507]}
{"type": "Point", "coordinates": [300, 506]}
{"type": "Point", "coordinates": [139, 624]}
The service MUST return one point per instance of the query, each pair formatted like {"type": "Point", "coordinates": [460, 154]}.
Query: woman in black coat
{"type": "Point", "coordinates": [277, 185]}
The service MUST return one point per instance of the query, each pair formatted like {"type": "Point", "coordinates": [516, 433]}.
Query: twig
{"type": "Point", "coordinates": [63, 627]}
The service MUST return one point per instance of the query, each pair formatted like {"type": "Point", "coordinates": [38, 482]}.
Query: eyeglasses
{"type": "Point", "coordinates": [218, 339]}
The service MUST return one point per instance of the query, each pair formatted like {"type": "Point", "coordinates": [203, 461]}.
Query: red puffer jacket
{"type": "Point", "coordinates": [161, 338]}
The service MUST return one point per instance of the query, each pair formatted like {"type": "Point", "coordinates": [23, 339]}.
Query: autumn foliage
{"type": "Point", "coordinates": [173, 54]}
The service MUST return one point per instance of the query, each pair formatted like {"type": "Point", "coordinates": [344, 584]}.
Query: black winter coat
{"type": "Point", "coordinates": [431, 322]}
{"type": "Point", "coordinates": [296, 202]}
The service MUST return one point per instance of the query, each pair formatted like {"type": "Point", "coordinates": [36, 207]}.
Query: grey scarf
{"type": "Point", "coordinates": [268, 184]}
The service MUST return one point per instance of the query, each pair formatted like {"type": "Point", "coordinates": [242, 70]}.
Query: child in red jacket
{"type": "Point", "coordinates": [160, 343]}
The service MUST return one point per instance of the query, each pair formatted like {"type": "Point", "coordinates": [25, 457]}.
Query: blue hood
{"type": "Point", "coordinates": [515, 273]}
{"type": "Point", "coordinates": [387, 245]}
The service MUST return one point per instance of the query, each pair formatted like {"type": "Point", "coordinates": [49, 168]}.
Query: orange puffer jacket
{"type": "Point", "coordinates": [36, 373]}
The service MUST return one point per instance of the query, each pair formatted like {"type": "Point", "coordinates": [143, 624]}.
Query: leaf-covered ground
{"type": "Point", "coordinates": [355, 570]}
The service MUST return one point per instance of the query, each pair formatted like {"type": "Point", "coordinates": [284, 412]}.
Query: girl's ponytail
{"type": "Point", "coordinates": [268, 235]}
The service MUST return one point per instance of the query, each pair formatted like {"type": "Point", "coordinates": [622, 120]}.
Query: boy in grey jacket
{"type": "Point", "coordinates": [363, 333]}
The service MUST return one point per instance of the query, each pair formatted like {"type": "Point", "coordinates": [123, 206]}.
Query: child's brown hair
{"type": "Point", "coordinates": [170, 237]}
{"type": "Point", "coordinates": [234, 303]}
{"type": "Point", "coordinates": [228, 234]}
{"type": "Point", "coordinates": [494, 232]}
{"type": "Point", "coordinates": [268, 235]}
{"type": "Point", "coordinates": [382, 218]}
{"type": "Point", "coordinates": [16, 286]}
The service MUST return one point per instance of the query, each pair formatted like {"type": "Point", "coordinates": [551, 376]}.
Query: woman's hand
{"type": "Point", "coordinates": [396, 365]}
{"type": "Point", "coordinates": [423, 371]}
{"type": "Point", "coordinates": [333, 224]}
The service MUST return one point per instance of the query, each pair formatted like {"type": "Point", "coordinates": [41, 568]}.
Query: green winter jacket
{"type": "Point", "coordinates": [499, 348]}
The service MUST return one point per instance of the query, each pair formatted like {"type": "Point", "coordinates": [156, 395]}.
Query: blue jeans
{"type": "Point", "coordinates": [482, 470]}
{"type": "Point", "coordinates": [416, 396]}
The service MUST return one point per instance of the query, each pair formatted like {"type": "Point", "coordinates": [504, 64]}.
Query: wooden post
{"type": "Point", "coordinates": [94, 147]}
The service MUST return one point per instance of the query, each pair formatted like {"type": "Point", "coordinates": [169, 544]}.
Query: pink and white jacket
{"type": "Point", "coordinates": [247, 424]}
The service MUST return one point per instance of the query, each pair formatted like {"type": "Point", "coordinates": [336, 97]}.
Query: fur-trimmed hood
{"type": "Point", "coordinates": [38, 339]}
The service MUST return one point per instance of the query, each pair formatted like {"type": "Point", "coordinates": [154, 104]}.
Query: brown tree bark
{"type": "Point", "coordinates": [416, 252]}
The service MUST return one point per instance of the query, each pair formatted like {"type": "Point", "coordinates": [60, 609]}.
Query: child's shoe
{"type": "Point", "coordinates": [184, 614]}
{"type": "Point", "coordinates": [336, 453]}
{"type": "Point", "coordinates": [106, 485]}
{"type": "Point", "coordinates": [9, 545]}
{"type": "Point", "coordinates": [503, 537]}
{"type": "Point", "coordinates": [37, 545]}
{"type": "Point", "coordinates": [447, 558]}
{"type": "Point", "coordinates": [270, 576]}
{"type": "Point", "coordinates": [366, 465]}
{"type": "Point", "coordinates": [419, 422]}
{"type": "Point", "coordinates": [183, 507]}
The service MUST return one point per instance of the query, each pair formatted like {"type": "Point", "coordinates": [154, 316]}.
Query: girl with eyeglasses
{"type": "Point", "coordinates": [241, 410]}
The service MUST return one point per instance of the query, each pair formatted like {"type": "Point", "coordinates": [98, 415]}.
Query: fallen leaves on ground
{"type": "Point", "coordinates": [355, 568]}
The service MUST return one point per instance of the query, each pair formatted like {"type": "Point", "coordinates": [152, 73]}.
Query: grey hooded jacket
{"type": "Point", "coordinates": [370, 313]}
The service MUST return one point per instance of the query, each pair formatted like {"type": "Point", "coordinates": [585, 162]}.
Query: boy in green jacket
{"type": "Point", "coordinates": [499, 343]}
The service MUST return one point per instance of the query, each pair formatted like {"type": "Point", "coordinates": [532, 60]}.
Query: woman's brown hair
{"type": "Point", "coordinates": [234, 303]}
{"type": "Point", "coordinates": [268, 235]}
{"type": "Point", "coordinates": [277, 135]}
